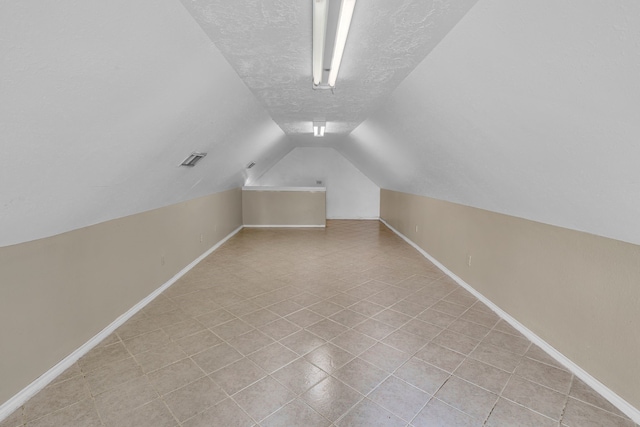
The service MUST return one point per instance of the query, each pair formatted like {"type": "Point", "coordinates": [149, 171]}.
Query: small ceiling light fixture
{"type": "Point", "coordinates": [193, 159]}
{"type": "Point", "coordinates": [328, 44]}
{"type": "Point", "coordinates": [318, 128]}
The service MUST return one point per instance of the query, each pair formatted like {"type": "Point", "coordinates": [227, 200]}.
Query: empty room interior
{"type": "Point", "coordinates": [319, 213]}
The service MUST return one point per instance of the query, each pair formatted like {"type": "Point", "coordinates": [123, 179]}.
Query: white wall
{"type": "Point", "coordinates": [529, 108]}
{"type": "Point", "coordinates": [101, 101]}
{"type": "Point", "coordinates": [350, 194]}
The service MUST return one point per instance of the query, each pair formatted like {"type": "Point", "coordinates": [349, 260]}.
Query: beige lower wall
{"type": "Point", "coordinates": [58, 292]}
{"type": "Point", "coordinates": [577, 291]}
{"type": "Point", "coordinates": [284, 207]}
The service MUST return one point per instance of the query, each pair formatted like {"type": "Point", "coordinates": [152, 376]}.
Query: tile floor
{"type": "Point", "coordinates": [347, 326]}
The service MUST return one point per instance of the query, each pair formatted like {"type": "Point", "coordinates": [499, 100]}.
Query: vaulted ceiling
{"type": "Point", "coordinates": [525, 108]}
{"type": "Point", "coordinates": [268, 43]}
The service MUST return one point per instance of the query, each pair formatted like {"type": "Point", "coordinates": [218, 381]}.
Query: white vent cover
{"type": "Point", "coordinates": [193, 159]}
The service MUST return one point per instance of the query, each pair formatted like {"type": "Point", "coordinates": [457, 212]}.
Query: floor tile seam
{"type": "Point", "coordinates": [470, 309]}
{"type": "Point", "coordinates": [547, 364]}
{"type": "Point", "coordinates": [411, 354]}
{"type": "Point", "coordinates": [302, 401]}
{"type": "Point", "coordinates": [504, 386]}
{"type": "Point", "coordinates": [176, 340]}
{"type": "Point", "coordinates": [565, 395]}
{"type": "Point", "coordinates": [432, 396]}
{"type": "Point", "coordinates": [467, 413]}
{"type": "Point", "coordinates": [349, 351]}
{"type": "Point", "coordinates": [499, 393]}
{"type": "Point", "coordinates": [443, 345]}
{"type": "Point", "coordinates": [559, 420]}
{"type": "Point", "coordinates": [314, 334]}
{"type": "Point", "coordinates": [55, 383]}
{"type": "Point", "coordinates": [95, 406]}
{"type": "Point", "coordinates": [212, 406]}
{"type": "Point", "coordinates": [493, 407]}
{"type": "Point", "coordinates": [204, 373]}
{"type": "Point", "coordinates": [392, 374]}
{"type": "Point", "coordinates": [297, 395]}
{"type": "Point", "coordinates": [261, 308]}
{"type": "Point", "coordinates": [569, 396]}
{"type": "Point", "coordinates": [210, 376]}
{"type": "Point", "coordinates": [255, 421]}
{"type": "Point", "coordinates": [494, 328]}
{"type": "Point", "coordinates": [389, 375]}
{"type": "Point", "coordinates": [473, 337]}
{"type": "Point", "coordinates": [161, 398]}
{"type": "Point", "coordinates": [408, 423]}
{"type": "Point", "coordinates": [471, 356]}
{"type": "Point", "coordinates": [217, 324]}
{"type": "Point", "coordinates": [157, 396]}
{"type": "Point", "coordinates": [449, 374]}
{"type": "Point", "coordinates": [476, 323]}
{"type": "Point", "coordinates": [456, 408]}
{"type": "Point", "coordinates": [408, 384]}
{"type": "Point", "coordinates": [344, 414]}
{"type": "Point", "coordinates": [543, 385]}
{"type": "Point", "coordinates": [86, 372]}
{"type": "Point", "coordinates": [148, 347]}
{"type": "Point", "coordinates": [59, 409]}
{"type": "Point", "coordinates": [21, 417]}
{"type": "Point", "coordinates": [330, 373]}
{"type": "Point", "coordinates": [522, 337]}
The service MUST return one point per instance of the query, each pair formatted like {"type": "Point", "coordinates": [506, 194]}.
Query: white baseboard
{"type": "Point", "coordinates": [624, 406]}
{"type": "Point", "coordinates": [355, 219]}
{"type": "Point", "coordinates": [41, 382]}
{"type": "Point", "coordinates": [284, 226]}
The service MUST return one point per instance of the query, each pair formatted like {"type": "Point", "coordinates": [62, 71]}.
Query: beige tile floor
{"type": "Point", "coordinates": [347, 326]}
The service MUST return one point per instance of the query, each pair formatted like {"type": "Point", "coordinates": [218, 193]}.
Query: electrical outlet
{"type": "Point", "coordinates": [201, 237]}
{"type": "Point", "coordinates": [416, 228]}
{"type": "Point", "coordinates": [469, 260]}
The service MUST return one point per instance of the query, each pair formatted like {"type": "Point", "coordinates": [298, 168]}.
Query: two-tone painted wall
{"type": "Point", "coordinates": [578, 292]}
{"type": "Point", "coordinates": [58, 292]}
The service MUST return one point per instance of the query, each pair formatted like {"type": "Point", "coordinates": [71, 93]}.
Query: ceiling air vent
{"type": "Point", "coordinates": [193, 159]}
{"type": "Point", "coordinates": [250, 165]}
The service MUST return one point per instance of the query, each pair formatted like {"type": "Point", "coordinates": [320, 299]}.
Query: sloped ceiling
{"type": "Point", "coordinates": [99, 104]}
{"type": "Point", "coordinates": [268, 43]}
{"type": "Point", "coordinates": [526, 108]}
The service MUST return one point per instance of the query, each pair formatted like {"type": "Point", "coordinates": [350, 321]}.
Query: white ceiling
{"type": "Point", "coordinates": [268, 43]}
{"type": "Point", "coordinates": [520, 107]}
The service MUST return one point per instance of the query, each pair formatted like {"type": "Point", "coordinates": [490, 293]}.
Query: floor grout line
{"type": "Point", "coordinates": [372, 271]}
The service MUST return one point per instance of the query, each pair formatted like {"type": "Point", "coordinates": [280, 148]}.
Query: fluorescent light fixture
{"type": "Point", "coordinates": [344, 22]}
{"type": "Point", "coordinates": [320, 9]}
{"type": "Point", "coordinates": [318, 128]}
{"type": "Point", "coordinates": [324, 22]}
{"type": "Point", "coordinates": [193, 159]}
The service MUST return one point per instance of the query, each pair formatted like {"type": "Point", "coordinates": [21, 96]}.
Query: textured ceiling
{"type": "Point", "coordinates": [268, 43]}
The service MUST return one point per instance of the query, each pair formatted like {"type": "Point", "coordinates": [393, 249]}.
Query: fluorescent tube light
{"type": "Point", "coordinates": [318, 128]}
{"type": "Point", "coordinates": [320, 9]}
{"type": "Point", "coordinates": [344, 22]}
